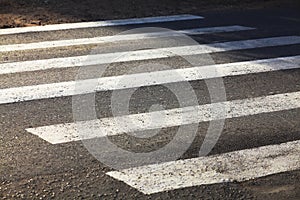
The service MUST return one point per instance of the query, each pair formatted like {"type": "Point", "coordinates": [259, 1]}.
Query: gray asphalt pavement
{"type": "Point", "coordinates": [33, 168]}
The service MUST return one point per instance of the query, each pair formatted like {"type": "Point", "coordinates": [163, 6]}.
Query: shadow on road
{"type": "Point", "coordinates": [16, 13]}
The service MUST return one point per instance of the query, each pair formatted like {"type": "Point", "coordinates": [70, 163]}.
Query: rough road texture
{"type": "Point", "coordinates": [18, 13]}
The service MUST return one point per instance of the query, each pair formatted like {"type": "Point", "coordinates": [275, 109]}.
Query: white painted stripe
{"type": "Point", "coordinates": [62, 133]}
{"type": "Point", "coordinates": [116, 38]}
{"type": "Point", "coordinates": [228, 167]}
{"type": "Point", "coordinates": [53, 63]}
{"type": "Point", "coordinates": [118, 22]}
{"type": "Point", "coordinates": [52, 90]}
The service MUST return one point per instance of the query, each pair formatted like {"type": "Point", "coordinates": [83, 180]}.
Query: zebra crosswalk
{"type": "Point", "coordinates": [241, 165]}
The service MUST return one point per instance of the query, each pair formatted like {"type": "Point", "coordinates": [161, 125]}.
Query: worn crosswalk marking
{"type": "Point", "coordinates": [118, 22]}
{"type": "Point", "coordinates": [62, 133]}
{"type": "Point", "coordinates": [234, 166]}
{"type": "Point", "coordinates": [55, 63]}
{"type": "Point", "coordinates": [117, 38]}
{"type": "Point", "coordinates": [61, 89]}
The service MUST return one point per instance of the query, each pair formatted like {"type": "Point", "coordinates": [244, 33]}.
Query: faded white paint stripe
{"type": "Point", "coordinates": [117, 38]}
{"type": "Point", "coordinates": [52, 90]}
{"type": "Point", "coordinates": [228, 167]}
{"type": "Point", "coordinates": [118, 22]}
{"type": "Point", "coordinates": [62, 133]}
{"type": "Point", "coordinates": [15, 67]}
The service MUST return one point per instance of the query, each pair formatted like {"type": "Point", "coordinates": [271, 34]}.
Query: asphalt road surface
{"type": "Point", "coordinates": [131, 109]}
